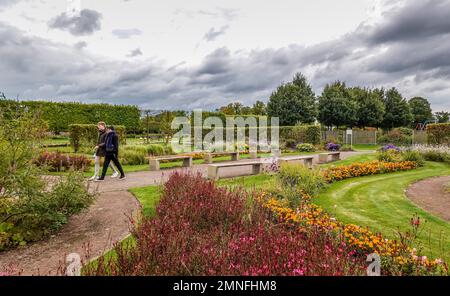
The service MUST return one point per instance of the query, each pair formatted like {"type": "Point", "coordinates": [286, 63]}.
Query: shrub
{"type": "Point", "coordinates": [433, 153]}
{"type": "Point", "coordinates": [299, 178]}
{"type": "Point", "coordinates": [59, 162]}
{"type": "Point", "coordinates": [307, 134]}
{"type": "Point", "coordinates": [133, 156]}
{"type": "Point", "coordinates": [390, 156]}
{"type": "Point", "coordinates": [413, 156]}
{"type": "Point", "coordinates": [86, 135]}
{"type": "Point", "coordinates": [396, 137]}
{"type": "Point", "coordinates": [306, 148]}
{"type": "Point", "coordinates": [202, 230]}
{"type": "Point", "coordinates": [438, 133]}
{"type": "Point", "coordinates": [290, 143]}
{"type": "Point", "coordinates": [333, 147]}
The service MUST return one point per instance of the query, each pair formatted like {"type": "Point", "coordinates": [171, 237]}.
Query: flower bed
{"type": "Point", "coordinates": [339, 173]}
{"type": "Point", "coordinates": [201, 229]}
{"type": "Point", "coordinates": [58, 162]}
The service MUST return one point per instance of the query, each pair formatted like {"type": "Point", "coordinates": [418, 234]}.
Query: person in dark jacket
{"type": "Point", "coordinates": [111, 150]}
{"type": "Point", "coordinates": [99, 153]}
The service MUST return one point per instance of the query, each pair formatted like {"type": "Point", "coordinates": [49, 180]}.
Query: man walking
{"type": "Point", "coordinates": [99, 153]}
{"type": "Point", "coordinates": [111, 150]}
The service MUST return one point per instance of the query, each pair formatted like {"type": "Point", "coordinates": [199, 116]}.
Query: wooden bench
{"type": "Point", "coordinates": [305, 160]}
{"type": "Point", "coordinates": [324, 157]}
{"type": "Point", "coordinates": [209, 156]}
{"type": "Point", "coordinates": [155, 161]}
{"type": "Point", "coordinates": [214, 169]}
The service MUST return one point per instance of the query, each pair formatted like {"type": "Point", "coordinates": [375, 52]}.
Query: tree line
{"type": "Point", "coordinates": [341, 106]}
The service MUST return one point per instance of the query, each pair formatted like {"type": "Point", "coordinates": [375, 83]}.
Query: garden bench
{"type": "Point", "coordinates": [214, 169]}
{"type": "Point", "coordinates": [305, 160]}
{"type": "Point", "coordinates": [155, 161]}
{"type": "Point", "coordinates": [324, 157]}
{"type": "Point", "coordinates": [209, 156]}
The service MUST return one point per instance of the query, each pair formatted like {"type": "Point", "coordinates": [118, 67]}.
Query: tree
{"type": "Point", "coordinates": [259, 108]}
{"type": "Point", "coordinates": [442, 117]}
{"type": "Point", "coordinates": [232, 109]}
{"type": "Point", "coordinates": [398, 113]}
{"type": "Point", "coordinates": [336, 106]}
{"type": "Point", "coordinates": [420, 110]}
{"type": "Point", "coordinates": [293, 102]}
{"type": "Point", "coordinates": [370, 110]}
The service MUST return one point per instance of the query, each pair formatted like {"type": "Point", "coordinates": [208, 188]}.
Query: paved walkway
{"type": "Point", "coordinates": [100, 226]}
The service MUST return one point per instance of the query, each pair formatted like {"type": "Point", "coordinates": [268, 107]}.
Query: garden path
{"type": "Point", "coordinates": [100, 226]}
{"type": "Point", "coordinates": [431, 195]}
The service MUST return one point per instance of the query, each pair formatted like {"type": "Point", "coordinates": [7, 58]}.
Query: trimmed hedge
{"type": "Point", "coordinates": [86, 135]}
{"type": "Point", "coordinates": [60, 115]}
{"type": "Point", "coordinates": [438, 133]}
{"type": "Point", "coordinates": [302, 133]}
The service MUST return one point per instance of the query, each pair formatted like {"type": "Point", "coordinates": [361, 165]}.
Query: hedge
{"type": "Point", "coordinates": [86, 135]}
{"type": "Point", "coordinates": [60, 115]}
{"type": "Point", "coordinates": [302, 133]}
{"type": "Point", "coordinates": [438, 133]}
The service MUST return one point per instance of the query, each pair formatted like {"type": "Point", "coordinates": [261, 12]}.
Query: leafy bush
{"type": "Point", "coordinates": [413, 156]}
{"type": "Point", "coordinates": [86, 135]}
{"type": "Point", "coordinates": [399, 137]}
{"type": "Point", "coordinates": [290, 143]}
{"type": "Point", "coordinates": [438, 133]}
{"type": "Point", "coordinates": [203, 230]}
{"type": "Point", "coordinates": [390, 155]}
{"type": "Point", "coordinates": [59, 162]}
{"type": "Point", "coordinates": [29, 209]}
{"type": "Point", "coordinates": [434, 153]}
{"type": "Point", "coordinates": [306, 148]}
{"type": "Point", "coordinates": [300, 179]}
{"type": "Point", "coordinates": [307, 134]}
{"type": "Point", "coordinates": [133, 156]}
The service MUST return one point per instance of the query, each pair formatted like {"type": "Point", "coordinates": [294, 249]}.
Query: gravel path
{"type": "Point", "coordinates": [430, 195]}
{"type": "Point", "coordinates": [100, 226]}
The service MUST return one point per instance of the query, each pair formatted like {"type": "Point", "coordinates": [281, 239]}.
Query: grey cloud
{"type": "Point", "coordinates": [370, 56]}
{"type": "Point", "coordinates": [86, 23]}
{"type": "Point", "coordinates": [213, 34]}
{"type": "Point", "coordinates": [135, 52]}
{"type": "Point", "coordinates": [126, 33]}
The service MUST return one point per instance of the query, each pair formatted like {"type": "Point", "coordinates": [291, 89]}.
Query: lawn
{"type": "Point", "coordinates": [366, 147]}
{"type": "Point", "coordinates": [379, 202]}
{"type": "Point", "coordinates": [352, 159]}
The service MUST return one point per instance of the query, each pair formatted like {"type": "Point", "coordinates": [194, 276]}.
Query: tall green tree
{"type": "Point", "coordinates": [370, 109]}
{"type": "Point", "coordinates": [421, 110]}
{"type": "Point", "coordinates": [398, 113]}
{"type": "Point", "coordinates": [337, 107]}
{"type": "Point", "coordinates": [293, 102]}
{"type": "Point", "coordinates": [259, 108]}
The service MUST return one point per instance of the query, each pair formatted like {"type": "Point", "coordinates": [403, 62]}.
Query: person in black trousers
{"type": "Point", "coordinates": [111, 150]}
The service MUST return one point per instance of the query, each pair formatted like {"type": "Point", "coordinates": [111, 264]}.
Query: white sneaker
{"type": "Point", "coordinates": [115, 175]}
{"type": "Point", "coordinates": [93, 178]}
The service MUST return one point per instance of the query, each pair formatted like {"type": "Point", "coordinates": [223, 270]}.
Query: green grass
{"type": "Point", "coordinates": [352, 159]}
{"type": "Point", "coordinates": [380, 203]}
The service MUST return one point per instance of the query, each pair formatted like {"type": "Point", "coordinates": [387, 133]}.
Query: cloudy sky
{"type": "Point", "coordinates": [176, 54]}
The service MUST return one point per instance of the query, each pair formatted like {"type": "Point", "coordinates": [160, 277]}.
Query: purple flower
{"type": "Point", "coordinates": [333, 147]}
{"type": "Point", "coordinates": [390, 147]}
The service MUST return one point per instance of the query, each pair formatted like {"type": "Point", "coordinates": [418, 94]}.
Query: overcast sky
{"type": "Point", "coordinates": [176, 54]}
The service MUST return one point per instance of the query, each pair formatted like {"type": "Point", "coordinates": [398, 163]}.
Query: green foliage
{"type": "Point", "coordinates": [414, 156]}
{"type": "Point", "coordinates": [86, 135]}
{"type": "Point", "coordinates": [29, 209]}
{"type": "Point", "coordinates": [442, 117]}
{"type": "Point", "coordinates": [398, 112]}
{"type": "Point", "coordinates": [136, 155]}
{"type": "Point", "coordinates": [390, 156]}
{"type": "Point", "coordinates": [306, 147]}
{"type": "Point", "coordinates": [420, 110]}
{"type": "Point", "coordinates": [336, 106]}
{"type": "Point", "coordinates": [60, 115]}
{"type": "Point", "coordinates": [300, 179]}
{"type": "Point", "coordinates": [398, 137]}
{"type": "Point", "coordinates": [370, 110]}
{"type": "Point", "coordinates": [293, 102]}
{"type": "Point", "coordinates": [438, 133]}
{"type": "Point", "coordinates": [306, 134]}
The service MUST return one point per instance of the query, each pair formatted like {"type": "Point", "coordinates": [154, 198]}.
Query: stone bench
{"type": "Point", "coordinates": [214, 169]}
{"type": "Point", "coordinates": [324, 157]}
{"type": "Point", "coordinates": [155, 161]}
{"type": "Point", "coordinates": [209, 156]}
{"type": "Point", "coordinates": [305, 160]}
